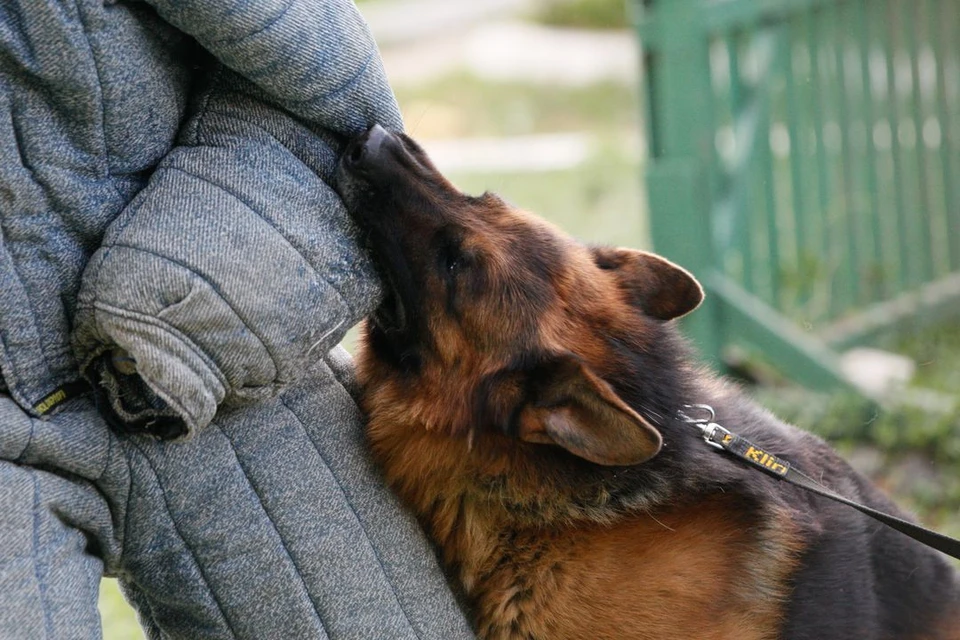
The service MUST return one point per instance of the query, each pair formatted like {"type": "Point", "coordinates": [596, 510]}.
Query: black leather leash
{"type": "Point", "coordinates": [741, 448]}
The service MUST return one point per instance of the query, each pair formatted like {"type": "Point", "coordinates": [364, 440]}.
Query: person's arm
{"type": "Point", "coordinates": [315, 58]}
{"type": "Point", "coordinates": [238, 265]}
{"type": "Point", "coordinates": [224, 283]}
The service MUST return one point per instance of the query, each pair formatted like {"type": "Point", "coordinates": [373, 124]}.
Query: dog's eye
{"type": "Point", "coordinates": [453, 262]}
{"type": "Point", "coordinates": [451, 259]}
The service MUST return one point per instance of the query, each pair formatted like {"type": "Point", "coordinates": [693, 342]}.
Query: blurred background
{"type": "Point", "coordinates": [799, 156]}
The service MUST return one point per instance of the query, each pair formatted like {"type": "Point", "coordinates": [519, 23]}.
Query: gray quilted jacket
{"type": "Point", "coordinates": [168, 232]}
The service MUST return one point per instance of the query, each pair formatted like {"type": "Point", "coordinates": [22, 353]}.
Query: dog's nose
{"type": "Point", "coordinates": [366, 148]}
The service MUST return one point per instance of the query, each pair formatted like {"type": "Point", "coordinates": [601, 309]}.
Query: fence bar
{"type": "Point", "coordinates": [797, 183]}
{"type": "Point", "coordinates": [842, 225]}
{"type": "Point", "coordinates": [934, 141]}
{"type": "Point", "coordinates": [765, 159]}
{"type": "Point", "coordinates": [940, 25]}
{"type": "Point", "coordinates": [903, 231]}
{"type": "Point", "coordinates": [923, 244]}
{"type": "Point", "coordinates": [801, 355]}
{"type": "Point", "coordinates": [824, 245]}
{"type": "Point", "coordinates": [852, 206]}
{"type": "Point", "coordinates": [880, 284]}
{"type": "Point", "coordinates": [932, 302]}
{"type": "Point", "coordinates": [738, 101]}
{"type": "Point", "coordinates": [681, 131]}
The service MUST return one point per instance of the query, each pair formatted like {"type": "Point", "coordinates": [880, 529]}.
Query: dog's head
{"type": "Point", "coordinates": [498, 327]}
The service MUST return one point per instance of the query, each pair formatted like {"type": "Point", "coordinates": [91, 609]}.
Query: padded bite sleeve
{"type": "Point", "coordinates": [233, 269]}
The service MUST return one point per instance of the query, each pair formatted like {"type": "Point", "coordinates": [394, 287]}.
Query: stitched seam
{"type": "Point", "coordinates": [238, 41]}
{"type": "Point", "coordinates": [33, 427]}
{"type": "Point", "coordinates": [193, 555]}
{"type": "Point", "coordinates": [106, 171]}
{"type": "Point", "coordinates": [103, 117]}
{"type": "Point", "coordinates": [41, 589]}
{"type": "Point", "coordinates": [15, 385]}
{"type": "Point", "coordinates": [216, 289]}
{"type": "Point", "coordinates": [347, 84]}
{"type": "Point", "coordinates": [130, 212]}
{"type": "Point", "coordinates": [286, 551]}
{"type": "Point", "coordinates": [104, 152]}
{"type": "Point", "coordinates": [126, 515]}
{"type": "Point", "coordinates": [109, 459]}
{"type": "Point", "coordinates": [94, 578]}
{"type": "Point", "coordinates": [353, 510]}
{"type": "Point", "coordinates": [270, 224]}
{"type": "Point", "coordinates": [163, 392]}
{"type": "Point", "coordinates": [18, 140]}
{"type": "Point", "coordinates": [112, 445]}
{"type": "Point", "coordinates": [172, 401]}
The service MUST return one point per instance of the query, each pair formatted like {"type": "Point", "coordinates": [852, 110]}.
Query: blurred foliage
{"type": "Point", "coordinates": [850, 420]}
{"type": "Point", "coordinates": [598, 202]}
{"type": "Point", "coordinates": [936, 350]}
{"type": "Point", "coordinates": [118, 619]}
{"type": "Point", "coordinates": [910, 446]}
{"type": "Point", "coordinates": [463, 105]}
{"type": "Point", "coordinates": [584, 14]}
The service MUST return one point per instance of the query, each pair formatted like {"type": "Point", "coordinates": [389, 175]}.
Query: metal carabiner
{"type": "Point", "coordinates": [711, 432]}
{"type": "Point", "coordinates": [698, 421]}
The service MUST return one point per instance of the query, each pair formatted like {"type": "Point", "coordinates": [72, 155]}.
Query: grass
{"type": "Point", "coordinates": [584, 14]}
{"type": "Point", "coordinates": [599, 202]}
{"type": "Point", "coordinates": [119, 620]}
{"type": "Point", "coordinates": [936, 351]}
{"type": "Point", "coordinates": [462, 105]}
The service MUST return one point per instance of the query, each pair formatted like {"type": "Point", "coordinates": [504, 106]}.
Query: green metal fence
{"type": "Point", "coordinates": [804, 164]}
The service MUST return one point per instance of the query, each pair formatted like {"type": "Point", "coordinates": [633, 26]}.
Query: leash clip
{"type": "Point", "coordinates": [713, 434]}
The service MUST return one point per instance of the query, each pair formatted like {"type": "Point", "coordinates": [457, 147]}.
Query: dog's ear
{"type": "Point", "coordinates": [657, 286]}
{"type": "Point", "coordinates": [571, 407]}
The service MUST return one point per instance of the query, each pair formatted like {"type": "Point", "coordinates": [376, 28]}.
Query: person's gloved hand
{"type": "Point", "coordinates": [270, 523]}
{"type": "Point", "coordinates": [238, 265]}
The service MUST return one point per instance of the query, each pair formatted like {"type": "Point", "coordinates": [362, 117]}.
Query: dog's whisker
{"type": "Point", "coordinates": [659, 522]}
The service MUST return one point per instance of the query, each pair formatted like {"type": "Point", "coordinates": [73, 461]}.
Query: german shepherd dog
{"type": "Point", "coordinates": [523, 394]}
